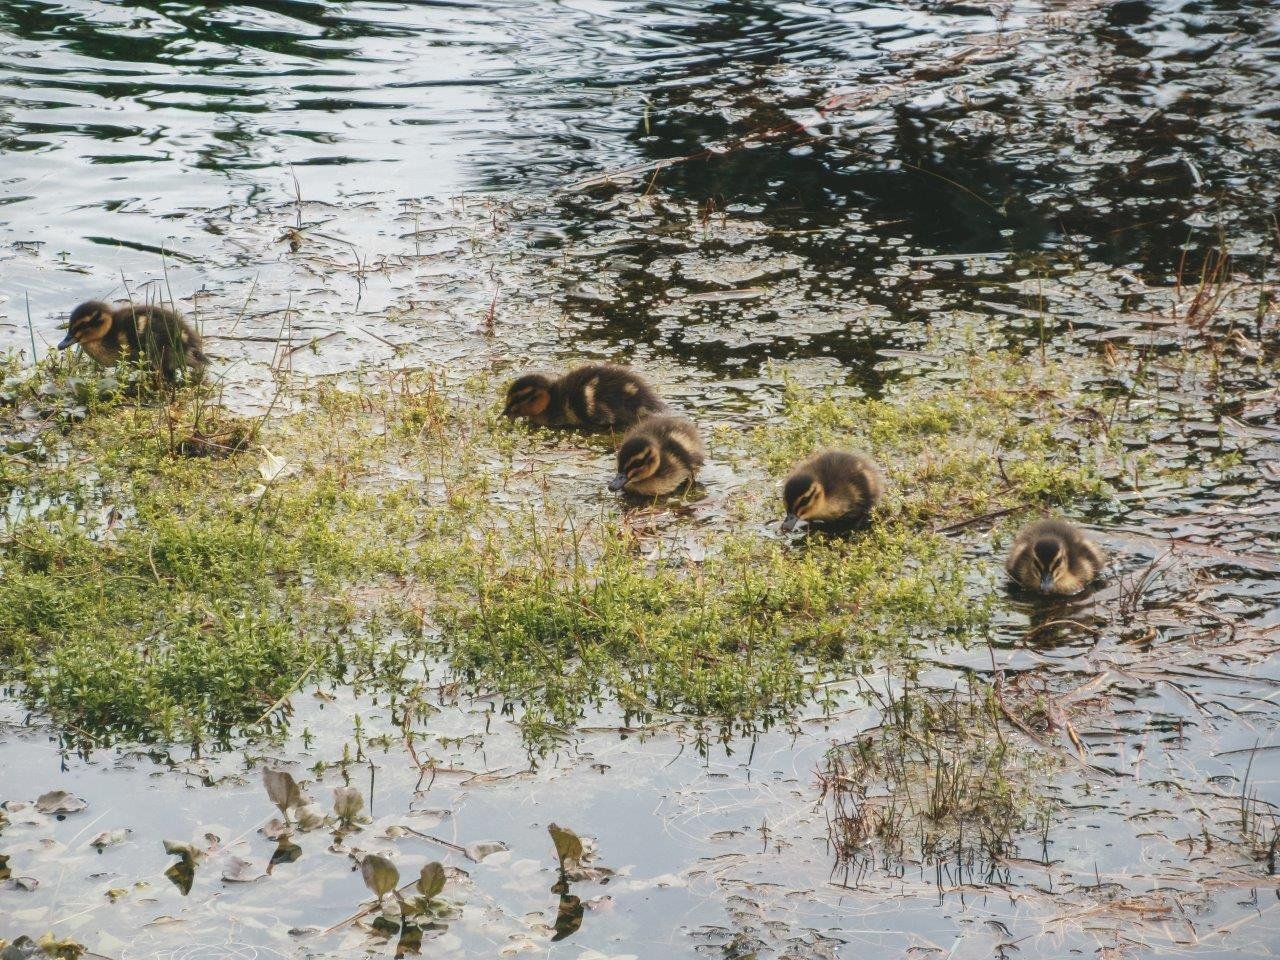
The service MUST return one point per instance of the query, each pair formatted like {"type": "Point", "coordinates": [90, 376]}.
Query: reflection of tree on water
{"type": "Point", "coordinates": [119, 37]}
{"type": "Point", "coordinates": [1056, 137]}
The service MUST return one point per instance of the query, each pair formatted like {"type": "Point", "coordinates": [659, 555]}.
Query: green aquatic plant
{"type": "Point", "coordinates": [992, 432]}
{"type": "Point", "coordinates": [150, 594]}
{"type": "Point", "coordinates": [935, 781]}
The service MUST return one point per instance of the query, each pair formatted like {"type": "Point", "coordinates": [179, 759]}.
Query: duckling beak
{"type": "Point", "coordinates": [618, 482]}
{"type": "Point", "coordinates": [1046, 583]}
{"type": "Point", "coordinates": [67, 341]}
{"type": "Point", "coordinates": [790, 522]}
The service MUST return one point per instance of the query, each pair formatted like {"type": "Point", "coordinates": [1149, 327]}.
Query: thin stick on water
{"type": "Point", "coordinates": [31, 327]}
{"type": "Point", "coordinates": [247, 300]}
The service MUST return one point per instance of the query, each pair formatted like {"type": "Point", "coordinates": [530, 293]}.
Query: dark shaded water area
{"type": "Point", "coordinates": [725, 193]}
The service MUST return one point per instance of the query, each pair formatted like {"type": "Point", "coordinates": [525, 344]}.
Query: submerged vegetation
{"type": "Point", "coordinates": [153, 594]}
{"type": "Point", "coordinates": [935, 783]}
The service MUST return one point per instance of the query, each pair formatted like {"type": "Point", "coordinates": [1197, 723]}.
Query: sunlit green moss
{"type": "Point", "coordinates": [148, 593]}
{"type": "Point", "coordinates": [997, 432]}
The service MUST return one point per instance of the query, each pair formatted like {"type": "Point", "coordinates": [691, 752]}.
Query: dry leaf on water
{"type": "Point", "coordinates": [109, 838]}
{"type": "Point", "coordinates": [240, 870]}
{"type": "Point", "coordinates": [476, 852]}
{"type": "Point", "coordinates": [189, 853]}
{"type": "Point", "coordinates": [347, 804]}
{"type": "Point", "coordinates": [310, 816]}
{"type": "Point", "coordinates": [59, 802]}
{"type": "Point", "coordinates": [282, 789]}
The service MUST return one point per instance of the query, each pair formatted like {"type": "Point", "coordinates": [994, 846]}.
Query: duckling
{"type": "Point", "coordinates": [595, 395]}
{"type": "Point", "coordinates": [657, 455]}
{"type": "Point", "coordinates": [1053, 557]}
{"type": "Point", "coordinates": [833, 486]}
{"type": "Point", "coordinates": [168, 342]}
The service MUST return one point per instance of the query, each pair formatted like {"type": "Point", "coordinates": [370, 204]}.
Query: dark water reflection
{"type": "Point", "coordinates": [1119, 137]}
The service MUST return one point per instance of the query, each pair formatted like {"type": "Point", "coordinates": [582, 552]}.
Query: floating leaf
{"type": "Point", "coordinates": [310, 816]}
{"type": "Point", "coordinates": [275, 828]}
{"type": "Point", "coordinates": [568, 845]}
{"type": "Point", "coordinates": [286, 851]}
{"type": "Point", "coordinates": [282, 789]}
{"type": "Point", "coordinates": [240, 870]}
{"type": "Point", "coordinates": [380, 874]}
{"type": "Point", "coordinates": [25, 884]}
{"type": "Point", "coordinates": [59, 802]}
{"type": "Point", "coordinates": [585, 874]}
{"type": "Point", "coordinates": [485, 848]}
{"type": "Point", "coordinates": [109, 838]}
{"type": "Point", "coordinates": [431, 881]}
{"type": "Point", "coordinates": [5, 872]}
{"type": "Point", "coordinates": [188, 852]}
{"type": "Point", "coordinates": [347, 804]}
{"type": "Point", "coordinates": [183, 873]}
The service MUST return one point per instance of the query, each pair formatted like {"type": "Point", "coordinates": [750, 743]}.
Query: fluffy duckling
{"type": "Point", "coordinates": [595, 395]}
{"type": "Point", "coordinates": [167, 341]}
{"type": "Point", "coordinates": [658, 455]}
{"type": "Point", "coordinates": [834, 486]}
{"type": "Point", "coordinates": [1054, 558]}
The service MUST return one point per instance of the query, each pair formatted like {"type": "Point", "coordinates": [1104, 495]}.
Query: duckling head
{"type": "Point", "coordinates": [804, 497]}
{"type": "Point", "coordinates": [528, 396]}
{"type": "Point", "coordinates": [89, 322]}
{"type": "Point", "coordinates": [1049, 563]}
{"type": "Point", "coordinates": [638, 459]}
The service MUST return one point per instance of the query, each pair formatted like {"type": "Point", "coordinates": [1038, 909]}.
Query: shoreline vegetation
{"type": "Point", "coordinates": [176, 574]}
{"type": "Point", "coordinates": [148, 593]}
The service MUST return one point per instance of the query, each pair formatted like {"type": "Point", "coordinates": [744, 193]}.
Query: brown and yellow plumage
{"type": "Point", "coordinates": [658, 455]}
{"type": "Point", "coordinates": [155, 335]}
{"type": "Point", "coordinates": [833, 486]}
{"type": "Point", "coordinates": [595, 395]}
{"type": "Point", "coordinates": [1053, 557]}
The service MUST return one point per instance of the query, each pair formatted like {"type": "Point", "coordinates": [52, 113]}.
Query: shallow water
{"type": "Point", "coordinates": [480, 183]}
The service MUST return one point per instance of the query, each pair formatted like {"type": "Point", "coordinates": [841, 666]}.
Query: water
{"type": "Point", "coordinates": [716, 191]}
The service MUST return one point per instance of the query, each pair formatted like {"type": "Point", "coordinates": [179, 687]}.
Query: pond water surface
{"type": "Point", "coordinates": [721, 192]}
